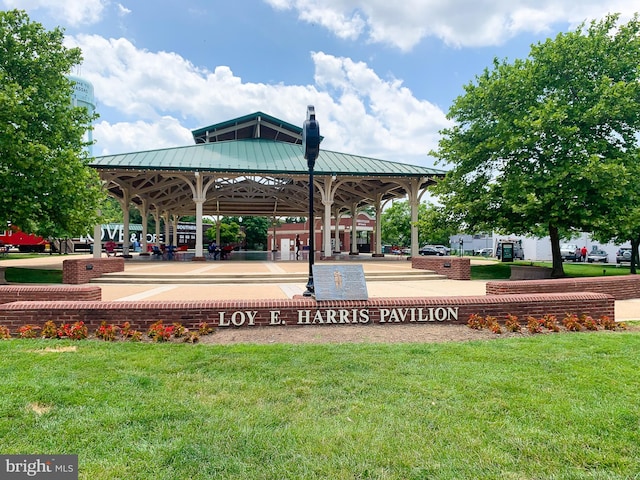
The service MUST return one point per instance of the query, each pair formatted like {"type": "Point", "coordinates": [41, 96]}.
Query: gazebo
{"type": "Point", "coordinates": [254, 165]}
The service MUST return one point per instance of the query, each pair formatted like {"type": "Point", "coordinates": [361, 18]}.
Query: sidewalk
{"type": "Point", "coordinates": [625, 309]}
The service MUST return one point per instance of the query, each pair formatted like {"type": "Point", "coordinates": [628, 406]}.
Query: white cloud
{"type": "Point", "coordinates": [456, 22]}
{"type": "Point", "coordinates": [139, 136]}
{"type": "Point", "coordinates": [166, 96]}
{"type": "Point", "coordinates": [71, 12]}
{"type": "Point", "coordinates": [122, 10]}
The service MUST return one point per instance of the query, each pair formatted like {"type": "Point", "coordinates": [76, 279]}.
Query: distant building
{"type": "Point", "coordinates": [285, 235]}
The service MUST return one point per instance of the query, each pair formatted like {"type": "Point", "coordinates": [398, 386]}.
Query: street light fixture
{"type": "Point", "coordinates": [311, 146]}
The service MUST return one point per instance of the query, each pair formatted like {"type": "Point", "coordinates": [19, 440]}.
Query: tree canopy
{"type": "Point", "coordinates": [541, 145]}
{"type": "Point", "coordinates": [47, 187]}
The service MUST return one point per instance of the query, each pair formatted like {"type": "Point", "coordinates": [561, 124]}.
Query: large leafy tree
{"type": "Point", "coordinates": [396, 224]}
{"type": "Point", "coordinates": [540, 145]}
{"type": "Point", "coordinates": [47, 187]}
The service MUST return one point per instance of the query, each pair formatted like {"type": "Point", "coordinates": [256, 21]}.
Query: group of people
{"type": "Point", "coordinates": [215, 251]}
{"type": "Point", "coordinates": [581, 254]}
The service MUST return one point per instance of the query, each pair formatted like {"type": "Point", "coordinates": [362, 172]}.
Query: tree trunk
{"type": "Point", "coordinates": [557, 270]}
{"type": "Point", "coordinates": [634, 254]}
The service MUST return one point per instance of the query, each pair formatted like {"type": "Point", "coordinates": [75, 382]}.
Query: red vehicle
{"type": "Point", "coordinates": [25, 242]}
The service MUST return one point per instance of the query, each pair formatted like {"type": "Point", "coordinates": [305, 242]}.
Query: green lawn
{"type": "Point", "coordinates": [502, 271]}
{"type": "Point", "coordinates": [562, 406]}
{"type": "Point", "coordinates": [32, 275]}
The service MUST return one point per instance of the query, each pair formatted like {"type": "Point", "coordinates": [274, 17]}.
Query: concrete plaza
{"type": "Point", "coordinates": [127, 289]}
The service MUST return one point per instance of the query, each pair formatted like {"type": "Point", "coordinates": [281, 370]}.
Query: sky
{"type": "Point", "coordinates": [381, 74]}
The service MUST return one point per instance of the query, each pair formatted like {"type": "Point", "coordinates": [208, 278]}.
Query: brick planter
{"type": "Point", "coordinates": [39, 293]}
{"type": "Point", "coordinates": [619, 287]}
{"type": "Point", "coordinates": [455, 268]}
{"type": "Point", "coordinates": [75, 271]}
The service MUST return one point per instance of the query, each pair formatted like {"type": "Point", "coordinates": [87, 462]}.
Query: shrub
{"type": "Point", "coordinates": [179, 330]}
{"type": "Point", "coordinates": [5, 334]}
{"type": "Point", "coordinates": [192, 337]}
{"type": "Point", "coordinates": [589, 322]}
{"type": "Point", "coordinates": [512, 324]}
{"type": "Point", "coordinates": [28, 331]}
{"type": "Point", "coordinates": [106, 332]}
{"type": "Point", "coordinates": [492, 324]}
{"type": "Point", "coordinates": [476, 321]}
{"type": "Point", "coordinates": [571, 322]}
{"type": "Point", "coordinates": [125, 329]}
{"type": "Point", "coordinates": [159, 332]}
{"type": "Point", "coordinates": [75, 331]}
{"type": "Point", "coordinates": [550, 322]}
{"type": "Point", "coordinates": [205, 329]}
{"type": "Point", "coordinates": [534, 325]}
{"type": "Point", "coordinates": [49, 330]}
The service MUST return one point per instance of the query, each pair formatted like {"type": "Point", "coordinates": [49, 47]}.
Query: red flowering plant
{"type": "Point", "coordinates": [128, 333]}
{"type": "Point", "coordinates": [608, 323]}
{"type": "Point", "coordinates": [512, 324]}
{"type": "Point", "coordinates": [5, 334]}
{"type": "Point", "coordinates": [571, 322]}
{"type": "Point", "coordinates": [49, 330]}
{"type": "Point", "coordinates": [492, 324]}
{"type": "Point", "coordinates": [550, 322]}
{"type": "Point", "coordinates": [28, 331]}
{"type": "Point", "coordinates": [179, 330]}
{"type": "Point", "coordinates": [159, 332]}
{"type": "Point", "coordinates": [589, 322]}
{"type": "Point", "coordinates": [534, 325]}
{"type": "Point", "coordinates": [75, 331]}
{"type": "Point", "coordinates": [134, 336]}
{"type": "Point", "coordinates": [476, 321]}
{"type": "Point", "coordinates": [107, 332]}
{"type": "Point", "coordinates": [204, 328]}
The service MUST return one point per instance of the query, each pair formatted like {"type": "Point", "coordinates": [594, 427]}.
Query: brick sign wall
{"type": "Point", "coordinates": [301, 312]}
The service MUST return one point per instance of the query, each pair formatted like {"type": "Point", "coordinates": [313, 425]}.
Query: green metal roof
{"type": "Point", "coordinates": [257, 156]}
{"type": "Point", "coordinates": [245, 119]}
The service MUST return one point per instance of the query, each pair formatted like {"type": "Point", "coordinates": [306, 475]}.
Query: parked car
{"type": "Point", "coordinates": [569, 251]}
{"type": "Point", "coordinates": [484, 252]}
{"type": "Point", "coordinates": [597, 256]}
{"type": "Point", "coordinates": [440, 248]}
{"type": "Point", "coordinates": [623, 255]}
{"type": "Point", "coordinates": [429, 250]}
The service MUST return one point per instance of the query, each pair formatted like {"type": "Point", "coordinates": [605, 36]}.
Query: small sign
{"type": "Point", "coordinates": [507, 252]}
{"type": "Point", "coordinates": [339, 282]}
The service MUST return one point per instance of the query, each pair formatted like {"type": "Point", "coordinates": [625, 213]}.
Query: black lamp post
{"type": "Point", "coordinates": [461, 246]}
{"type": "Point", "coordinates": [311, 146]}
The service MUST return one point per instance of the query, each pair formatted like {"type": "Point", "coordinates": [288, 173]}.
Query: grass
{"type": "Point", "coordinates": [560, 406]}
{"type": "Point", "coordinates": [502, 271]}
{"type": "Point", "coordinates": [32, 275]}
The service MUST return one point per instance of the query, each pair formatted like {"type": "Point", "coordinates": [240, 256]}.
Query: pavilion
{"type": "Point", "coordinates": [254, 165]}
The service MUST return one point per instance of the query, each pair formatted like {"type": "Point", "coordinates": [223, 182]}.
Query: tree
{"type": "Point", "coordinates": [255, 230]}
{"type": "Point", "coordinates": [433, 225]}
{"type": "Point", "coordinates": [47, 187]}
{"type": "Point", "coordinates": [540, 145]}
{"type": "Point", "coordinates": [622, 222]}
{"type": "Point", "coordinates": [396, 224]}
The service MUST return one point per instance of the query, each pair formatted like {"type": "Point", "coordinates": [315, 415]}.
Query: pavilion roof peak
{"type": "Point", "coordinates": [253, 126]}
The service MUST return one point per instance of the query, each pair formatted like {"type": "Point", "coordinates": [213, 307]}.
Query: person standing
{"type": "Point", "coordinates": [583, 253]}
{"type": "Point", "coordinates": [297, 246]}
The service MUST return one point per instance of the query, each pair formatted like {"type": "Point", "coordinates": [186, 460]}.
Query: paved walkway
{"type": "Point", "coordinates": [625, 309]}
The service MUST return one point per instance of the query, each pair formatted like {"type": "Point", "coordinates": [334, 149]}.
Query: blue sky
{"type": "Point", "coordinates": [382, 75]}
